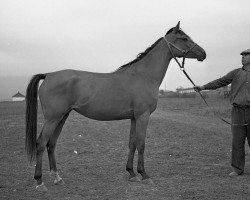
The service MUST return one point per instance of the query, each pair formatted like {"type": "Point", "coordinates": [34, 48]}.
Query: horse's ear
{"type": "Point", "coordinates": [177, 28]}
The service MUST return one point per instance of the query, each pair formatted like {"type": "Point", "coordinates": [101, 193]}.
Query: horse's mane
{"type": "Point", "coordinates": [139, 56]}
{"type": "Point", "coordinates": [142, 55]}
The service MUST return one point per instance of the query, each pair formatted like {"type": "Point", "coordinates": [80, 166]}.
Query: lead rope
{"type": "Point", "coordinates": [185, 73]}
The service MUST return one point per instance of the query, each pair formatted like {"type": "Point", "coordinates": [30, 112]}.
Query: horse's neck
{"type": "Point", "coordinates": [155, 64]}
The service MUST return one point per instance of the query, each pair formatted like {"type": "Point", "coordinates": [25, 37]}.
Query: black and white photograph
{"type": "Point", "coordinates": [124, 100]}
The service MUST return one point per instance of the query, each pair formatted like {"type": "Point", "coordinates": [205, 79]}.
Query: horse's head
{"type": "Point", "coordinates": [182, 45]}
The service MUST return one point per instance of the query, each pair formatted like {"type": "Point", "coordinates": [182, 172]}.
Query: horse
{"type": "Point", "coordinates": [130, 92]}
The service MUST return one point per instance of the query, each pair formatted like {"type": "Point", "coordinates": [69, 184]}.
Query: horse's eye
{"type": "Point", "coordinates": [184, 39]}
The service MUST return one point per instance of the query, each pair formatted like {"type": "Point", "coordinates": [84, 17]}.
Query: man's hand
{"type": "Point", "coordinates": [198, 88]}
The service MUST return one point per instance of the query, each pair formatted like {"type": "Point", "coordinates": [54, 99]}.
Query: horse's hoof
{"type": "Point", "coordinates": [59, 182]}
{"type": "Point", "coordinates": [134, 179]}
{"type": "Point", "coordinates": [41, 188]}
{"type": "Point", "coordinates": [148, 181]}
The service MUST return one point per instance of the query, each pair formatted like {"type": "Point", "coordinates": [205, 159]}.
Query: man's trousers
{"type": "Point", "coordinates": [240, 131]}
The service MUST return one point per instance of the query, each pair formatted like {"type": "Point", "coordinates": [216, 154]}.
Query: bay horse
{"type": "Point", "coordinates": [130, 92]}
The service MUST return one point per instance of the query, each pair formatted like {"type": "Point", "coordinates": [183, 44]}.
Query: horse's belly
{"type": "Point", "coordinates": [105, 112]}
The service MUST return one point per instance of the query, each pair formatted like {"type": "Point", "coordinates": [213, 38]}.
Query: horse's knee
{"type": "Point", "coordinates": [50, 148]}
{"type": "Point", "coordinates": [141, 148]}
{"type": "Point", "coordinates": [39, 148]}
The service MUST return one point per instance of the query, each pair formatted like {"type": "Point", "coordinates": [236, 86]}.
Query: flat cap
{"type": "Point", "coordinates": [245, 52]}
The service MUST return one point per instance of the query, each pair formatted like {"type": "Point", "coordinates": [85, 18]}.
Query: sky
{"type": "Point", "coordinates": [40, 36]}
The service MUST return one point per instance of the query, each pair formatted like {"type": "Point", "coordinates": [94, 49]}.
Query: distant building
{"type": "Point", "coordinates": [167, 94]}
{"type": "Point", "coordinates": [185, 90]}
{"type": "Point", "coordinates": [18, 97]}
{"type": "Point", "coordinates": [220, 92]}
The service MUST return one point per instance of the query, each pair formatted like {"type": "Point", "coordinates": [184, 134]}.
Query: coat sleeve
{"type": "Point", "coordinates": [221, 82]}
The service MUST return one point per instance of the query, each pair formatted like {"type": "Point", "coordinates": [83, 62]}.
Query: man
{"type": "Point", "coordinates": [240, 100]}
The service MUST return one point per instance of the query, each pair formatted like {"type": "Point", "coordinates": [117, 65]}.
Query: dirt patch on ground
{"type": "Point", "coordinates": [187, 156]}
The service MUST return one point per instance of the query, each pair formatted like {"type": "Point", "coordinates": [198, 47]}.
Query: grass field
{"type": "Point", "coordinates": [187, 156]}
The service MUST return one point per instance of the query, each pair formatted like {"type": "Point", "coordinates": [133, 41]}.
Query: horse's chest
{"type": "Point", "coordinates": [146, 101]}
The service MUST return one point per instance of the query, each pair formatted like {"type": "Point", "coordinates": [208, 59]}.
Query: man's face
{"type": "Point", "coordinates": [245, 59]}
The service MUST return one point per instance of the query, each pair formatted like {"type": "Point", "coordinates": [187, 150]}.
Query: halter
{"type": "Point", "coordinates": [185, 52]}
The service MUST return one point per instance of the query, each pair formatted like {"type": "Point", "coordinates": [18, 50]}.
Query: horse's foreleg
{"type": "Point", "coordinates": [141, 127]}
{"type": "Point", "coordinates": [132, 148]}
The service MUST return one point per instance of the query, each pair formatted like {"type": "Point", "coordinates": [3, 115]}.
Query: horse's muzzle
{"type": "Point", "coordinates": [202, 57]}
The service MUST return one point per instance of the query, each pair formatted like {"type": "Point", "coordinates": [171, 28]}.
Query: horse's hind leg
{"type": "Point", "coordinates": [51, 151]}
{"type": "Point", "coordinates": [48, 129]}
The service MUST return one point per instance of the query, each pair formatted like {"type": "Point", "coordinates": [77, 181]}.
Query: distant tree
{"type": "Point", "coordinates": [161, 92]}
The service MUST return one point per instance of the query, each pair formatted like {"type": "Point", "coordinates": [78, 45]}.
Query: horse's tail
{"type": "Point", "coordinates": [31, 115]}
